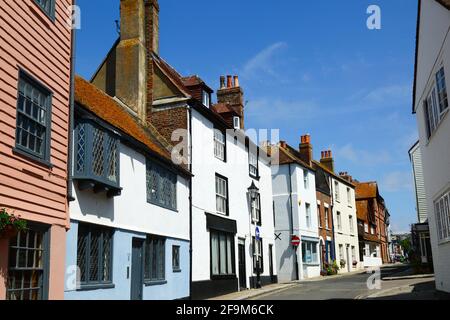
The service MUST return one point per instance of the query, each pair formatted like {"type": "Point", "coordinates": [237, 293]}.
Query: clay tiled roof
{"type": "Point", "coordinates": [223, 108]}
{"type": "Point", "coordinates": [361, 210]}
{"type": "Point", "coordinates": [366, 190]}
{"type": "Point", "coordinates": [109, 110]}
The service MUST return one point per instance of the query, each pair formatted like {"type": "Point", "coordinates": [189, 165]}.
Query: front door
{"type": "Point", "coordinates": [137, 274]}
{"type": "Point", "coordinates": [242, 273]}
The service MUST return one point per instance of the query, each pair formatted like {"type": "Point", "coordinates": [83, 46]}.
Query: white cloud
{"type": "Point", "coordinates": [392, 94]}
{"type": "Point", "coordinates": [363, 157]}
{"type": "Point", "coordinates": [397, 181]}
{"type": "Point", "coordinates": [263, 61]}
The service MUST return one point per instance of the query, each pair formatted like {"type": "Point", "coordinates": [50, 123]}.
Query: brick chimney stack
{"type": "Point", "coordinates": [133, 69]}
{"type": "Point", "coordinates": [305, 149]}
{"type": "Point", "coordinates": [232, 95]}
{"type": "Point", "coordinates": [346, 176]}
{"type": "Point", "coordinates": [326, 160]}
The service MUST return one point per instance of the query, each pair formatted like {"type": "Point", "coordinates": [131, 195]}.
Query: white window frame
{"type": "Point", "coordinates": [221, 194]}
{"type": "Point", "coordinates": [327, 222]}
{"type": "Point", "coordinates": [236, 122]}
{"type": "Point", "coordinates": [366, 228]}
{"type": "Point", "coordinates": [442, 214]}
{"type": "Point", "coordinates": [350, 221]}
{"type": "Point", "coordinates": [336, 191]}
{"type": "Point", "coordinates": [433, 110]}
{"type": "Point", "coordinates": [205, 98]}
{"type": "Point", "coordinates": [319, 218]}
{"type": "Point", "coordinates": [339, 220]}
{"type": "Point", "coordinates": [256, 209]}
{"type": "Point", "coordinates": [308, 215]}
{"type": "Point", "coordinates": [305, 179]}
{"type": "Point", "coordinates": [252, 164]}
{"type": "Point", "coordinates": [219, 145]}
{"type": "Point", "coordinates": [349, 196]}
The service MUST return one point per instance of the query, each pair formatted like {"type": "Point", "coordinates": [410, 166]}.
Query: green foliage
{"type": "Point", "coordinates": [11, 220]}
{"type": "Point", "coordinates": [332, 268]}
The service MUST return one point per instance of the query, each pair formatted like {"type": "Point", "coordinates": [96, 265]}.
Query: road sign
{"type": "Point", "coordinates": [257, 234]}
{"type": "Point", "coordinates": [295, 240]}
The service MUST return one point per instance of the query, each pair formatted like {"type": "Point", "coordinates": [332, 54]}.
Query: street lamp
{"type": "Point", "coordinates": [253, 192]}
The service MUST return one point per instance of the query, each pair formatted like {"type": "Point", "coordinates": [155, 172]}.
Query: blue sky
{"type": "Point", "coordinates": [305, 66]}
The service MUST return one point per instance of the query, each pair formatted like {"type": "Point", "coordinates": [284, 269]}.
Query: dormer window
{"type": "Point", "coordinates": [205, 98]}
{"type": "Point", "coordinates": [96, 158]}
{"type": "Point", "coordinates": [236, 123]}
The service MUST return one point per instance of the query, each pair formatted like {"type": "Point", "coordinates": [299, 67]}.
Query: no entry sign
{"type": "Point", "coordinates": [295, 241]}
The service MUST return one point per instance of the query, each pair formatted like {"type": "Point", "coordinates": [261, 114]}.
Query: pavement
{"type": "Point", "coordinates": [395, 282]}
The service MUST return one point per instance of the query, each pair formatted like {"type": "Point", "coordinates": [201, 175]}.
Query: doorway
{"type": "Point", "coordinates": [241, 258]}
{"type": "Point", "coordinates": [137, 274]}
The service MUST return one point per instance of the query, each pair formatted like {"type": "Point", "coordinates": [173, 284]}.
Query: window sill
{"type": "Point", "coordinates": [176, 270]}
{"type": "Point", "coordinates": [88, 287]}
{"type": "Point", "coordinates": [257, 177]}
{"type": "Point", "coordinates": [19, 151]}
{"type": "Point", "coordinates": [162, 206]}
{"type": "Point", "coordinates": [311, 264]}
{"type": "Point", "coordinates": [148, 283]}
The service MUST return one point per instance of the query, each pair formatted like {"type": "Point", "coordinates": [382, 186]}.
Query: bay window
{"type": "Point", "coordinates": [161, 186]}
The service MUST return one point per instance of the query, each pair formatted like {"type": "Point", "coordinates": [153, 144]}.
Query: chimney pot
{"type": "Point", "coordinates": [222, 82]}
{"type": "Point", "coordinates": [283, 144]}
{"type": "Point", "coordinates": [229, 82]}
{"type": "Point", "coordinates": [236, 81]}
{"type": "Point", "coordinates": [329, 154]}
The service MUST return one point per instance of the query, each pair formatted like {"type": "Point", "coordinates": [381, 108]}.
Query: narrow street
{"type": "Point", "coordinates": [355, 287]}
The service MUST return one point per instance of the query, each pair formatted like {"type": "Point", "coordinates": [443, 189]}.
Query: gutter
{"type": "Point", "coordinates": [70, 196]}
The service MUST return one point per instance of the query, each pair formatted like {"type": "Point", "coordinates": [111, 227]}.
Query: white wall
{"type": "Point", "coordinates": [434, 50]}
{"type": "Point", "coordinates": [130, 210]}
{"type": "Point", "coordinates": [300, 197]}
{"type": "Point", "coordinates": [345, 236]}
{"type": "Point", "coordinates": [205, 167]}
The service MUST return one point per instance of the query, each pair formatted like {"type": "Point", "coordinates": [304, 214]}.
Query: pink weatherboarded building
{"type": "Point", "coordinates": [35, 74]}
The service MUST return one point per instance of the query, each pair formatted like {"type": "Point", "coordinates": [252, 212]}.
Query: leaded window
{"type": "Point", "coordinates": [33, 118]}
{"type": "Point", "coordinates": [94, 254]}
{"type": "Point", "coordinates": [96, 154]}
{"type": "Point", "coordinates": [441, 90]}
{"type": "Point", "coordinates": [176, 258]}
{"type": "Point", "coordinates": [48, 6]}
{"type": "Point", "coordinates": [161, 186]}
{"type": "Point", "coordinates": [27, 265]}
{"type": "Point", "coordinates": [436, 103]}
{"type": "Point", "coordinates": [442, 212]}
{"type": "Point", "coordinates": [154, 266]}
{"type": "Point", "coordinates": [222, 253]}
{"type": "Point", "coordinates": [221, 195]}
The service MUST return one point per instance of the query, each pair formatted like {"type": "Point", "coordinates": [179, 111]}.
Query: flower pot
{"type": "Point", "coordinates": [9, 232]}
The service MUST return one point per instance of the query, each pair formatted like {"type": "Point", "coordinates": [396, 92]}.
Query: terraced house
{"type": "Point", "coordinates": [295, 210]}
{"type": "Point", "coordinates": [231, 189]}
{"type": "Point", "coordinates": [35, 100]}
{"type": "Point", "coordinates": [129, 230]}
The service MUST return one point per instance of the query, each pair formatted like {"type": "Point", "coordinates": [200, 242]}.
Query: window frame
{"type": "Point", "coordinates": [339, 220]}
{"type": "Point", "coordinates": [176, 265]}
{"type": "Point", "coordinates": [253, 166]}
{"type": "Point", "coordinates": [256, 218]}
{"type": "Point", "coordinates": [226, 213]}
{"type": "Point", "coordinates": [206, 98]}
{"type": "Point", "coordinates": [220, 144]}
{"type": "Point", "coordinates": [442, 216]}
{"type": "Point", "coordinates": [351, 223]}
{"type": "Point", "coordinates": [51, 14]}
{"type": "Point", "coordinates": [148, 260]}
{"type": "Point", "coordinates": [349, 197]}
{"type": "Point", "coordinates": [38, 85]}
{"type": "Point", "coordinates": [319, 215]}
{"type": "Point", "coordinates": [308, 217]}
{"type": "Point", "coordinates": [95, 284]}
{"type": "Point", "coordinates": [84, 130]}
{"type": "Point", "coordinates": [257, 251]}
{"type": "Point", "coordinates": [227, 235]}
{"type": "Point", "coordinates": [432, 103]}
{"type": "Point", "coordinates": [337, 194]}
{"type": "Point", "coordinates": [327, 218]}
{"type": "Point", "coordinates": [305, 179]}
{"type": "Point", "coordinates": [314, 256]}
{"type": "Point", "coordinates": [163, 175]}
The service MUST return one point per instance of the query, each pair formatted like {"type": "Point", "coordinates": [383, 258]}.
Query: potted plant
{"type": "Point", "coordinates": [343, 263]}
{"type": "Point", "coordinates": [10, 224]}
{"type": "Point", "coordinates": [355, 263]}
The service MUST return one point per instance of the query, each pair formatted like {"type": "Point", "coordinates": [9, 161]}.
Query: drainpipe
{"type": "Point", "coordinates": [291, 218]}
{"type": "Point", "coordinates": [70, 196]}
{"type": "Point", "coordinates": [190, 204]}
{"type": "Point", "coordinates": [332, 218]}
